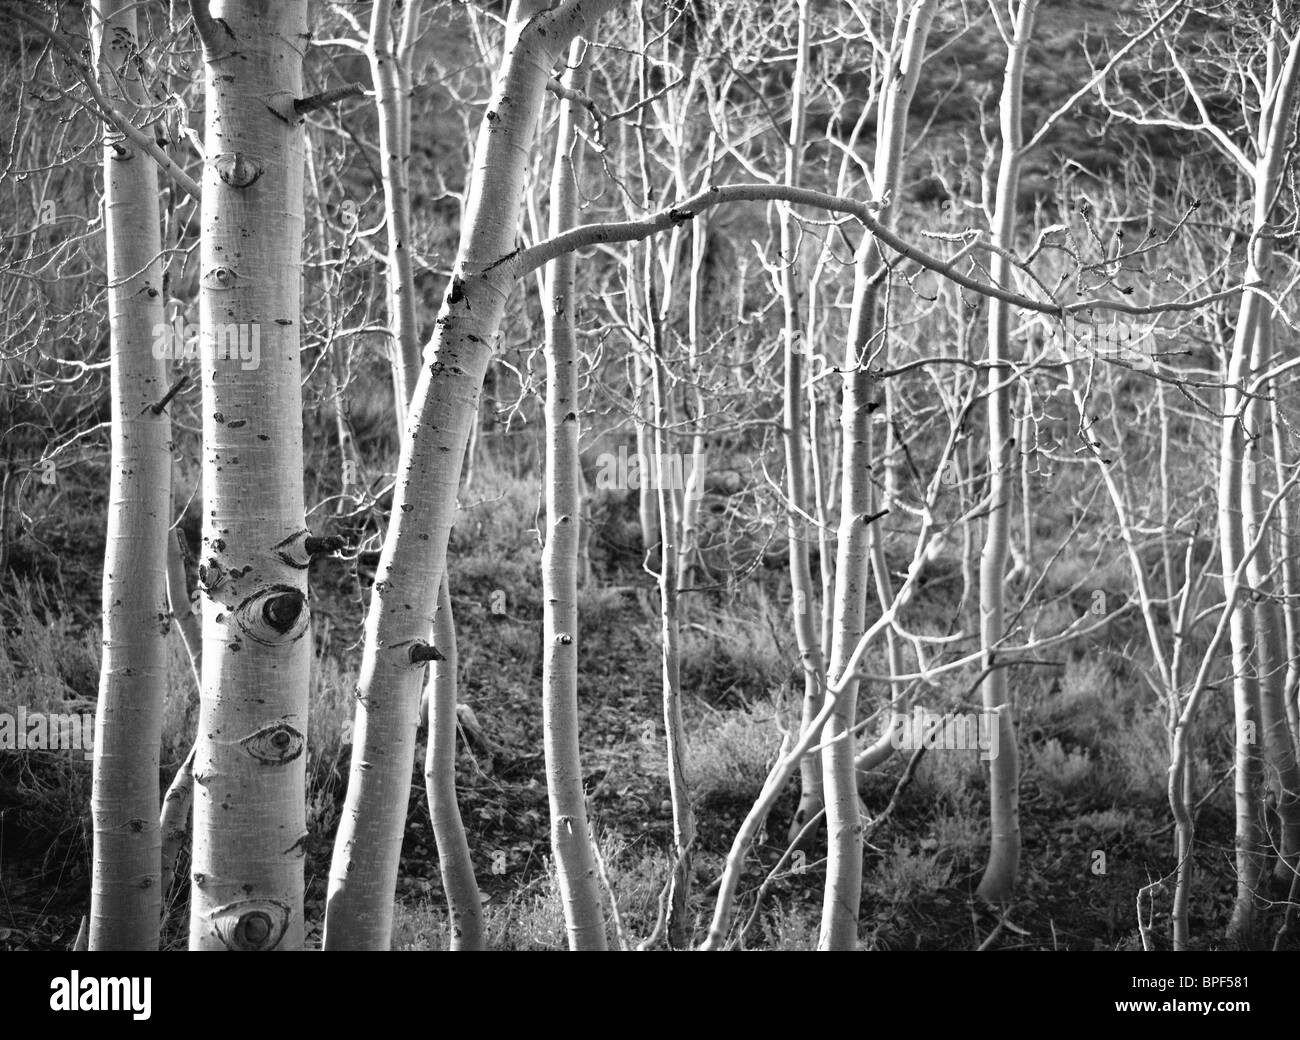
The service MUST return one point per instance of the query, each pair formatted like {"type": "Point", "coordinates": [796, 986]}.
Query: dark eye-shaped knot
{"type": "Point", "coordinates": [282, 610]}
{"type": "Point", "coordinates": [275, 745]}
{"type": "Point", "coordinates": [219, 278]}
{"type": "Point", "coordinates": [275, 615]}
{"type": "Point", "coordinates": [250, 924]}
{"type": "Point", "coordinates": [237, 169]}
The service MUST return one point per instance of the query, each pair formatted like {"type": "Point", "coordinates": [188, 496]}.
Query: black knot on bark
{"type": "Point", "coordinates": [421, 652]}
{"type": "Point", "coordinates": [237, 169]}
{"type": "Point", "coordinates": [281, 611]}
{"type": "Point", "coordinates": [255, 928]}
{"type": "Point", "coordinates": [276, 745]}
{"type": "Point", "coordinates": [323, 546]}
{"type": "Point", "coordinates": [251, 924]}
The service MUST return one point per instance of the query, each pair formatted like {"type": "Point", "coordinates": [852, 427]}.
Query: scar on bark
{"type": "Point", "coordinates": [312, 545]}
{"type": "Point", "coordinates": [327, 97]}
{"type": "Point", "coordinates": [421, 652]}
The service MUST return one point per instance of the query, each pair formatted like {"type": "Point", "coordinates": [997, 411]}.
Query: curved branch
{"type": "Point", "coordinates": [525, 261]}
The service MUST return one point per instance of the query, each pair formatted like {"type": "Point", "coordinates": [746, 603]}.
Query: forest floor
{"type": "Point", "coordinates": [1095, 823]}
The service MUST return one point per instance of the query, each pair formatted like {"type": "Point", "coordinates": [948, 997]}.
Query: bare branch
{"type": "Point", "coordinates": [327, 98]}
{"type": "Point", "coordinates": [1100, 75]}
{"type": "Point", "coordinates": [105, 110]}
{"type": "Point", "coordinates": [524, 262]}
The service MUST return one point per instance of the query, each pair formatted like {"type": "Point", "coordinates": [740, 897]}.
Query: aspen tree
{"type": "Point", "coordinates": [249, 766]}
{"type": "Point", "coordinates": [803, 606]}
{"type": "Point", "coordinates": [125, 901]}
{"type": "Point", "coordinates": [669, 512]}
{"type": "Point", "coordinates": [570, 834]}
{"type": "Point", "coordinates": [1260, 660]}
{"type": "Point", "coordinates": [1258, 685]}
{"type": "Point", "coordinates": [1266, 62]}
{"type": "Point", "coordinates": [839, 926]}
{"type": "Point", "coordinates": [390, 51]}
{"type": "Point", "coordinates": [1289, 551]}
{"type": "Point", "coordinates": [679, 884]}
{"type": "Point", "coordinates": [1016, 30]}
{"type": "Point", "coordinates": [1004, 770]}
{"type": "Point", "coordinates": [363, 872]}
{"type": "Point", "coordinates": [391, 55]}
{"type": "Point", "coordinates": [1271, 647]}
{"type": "Point", "coordinates": [488, 281]}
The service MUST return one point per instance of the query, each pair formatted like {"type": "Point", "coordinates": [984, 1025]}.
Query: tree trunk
{"type": "Point", "coordinates": [679, 886]}
{"type": "Point", "coordinates": [390, 70]}
{"type": "Point", "coordinates": [390, 62]}
{"type": "Point", "coordinates": [249, 766]}
{"type": "Point", "coordinates": [806, 617]}
{"type": "Point", "coordinates": [126, 897]}
{"type": "Point", "coordinates": [1289, 550]}
{"type": "Point", "coordinates": [839, 927]}
{"type": "Point", "coordinates": [842, 898]}
{"type": "Point", "coordinates": [363, 873]}
{"type": "Point", "coordinates": [1004, 771]}
{"type": "Point", "coordinates": [1271, 655]}
{"type": "Point", "coordinates": [1239, 505]}
{"type": "Point", "coordinates": [570, 832]}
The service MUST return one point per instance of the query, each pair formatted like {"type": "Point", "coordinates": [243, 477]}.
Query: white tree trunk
{"type": "Point", "coordinates": [363, 873]}
{"type": "Point", "coordinates": [125, 900]}
{"type": "Point", "coordinates": [1004, 771]}
{"type": "Point", "coordinates": [679, 885]}
{"type": "Point", "coordinates": [806, 616]}
{"type": "Point", "coordinates": [390, 70]}
{"type": "Point", "coordinates": [1255, 632]}
{"type": "Point", "coordinates": [249, 767]}
{"type": "Point", "coordinates": [841, 900]}
{"type": "Point", "coordinates": [570, 831]}
{"type": "Point", "coordinates": [1271, 647]}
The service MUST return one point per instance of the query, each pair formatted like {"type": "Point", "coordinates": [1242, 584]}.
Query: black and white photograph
{"type": "Point", "coordinates": [651, 476]}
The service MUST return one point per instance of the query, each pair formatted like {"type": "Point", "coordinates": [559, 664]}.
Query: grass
{"type": "Point", "coordinates": [1093, 755]}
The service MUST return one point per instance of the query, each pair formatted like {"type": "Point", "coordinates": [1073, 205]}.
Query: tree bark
{"type": "Point", "coordinates": [389, 54]}
{"type": "Point", "coordinates": [1004, 771]}
{"type": "Point", "coordinates": [1258, 710]}
{"type": "Point", "coordinates": [843, 895]}
{"type": "Point", "coordinates": [806, 616]}
{"type": "Point", "coordinates": [125, 900]}
{"type": "Point", "coordinates": [570, 831]}
{"type": "Point", "coordinates": [363, 873]}
{"type": "Point", "coordinates": [249, 766]}
{"type": "Point", "coordinates": [679, 885]}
